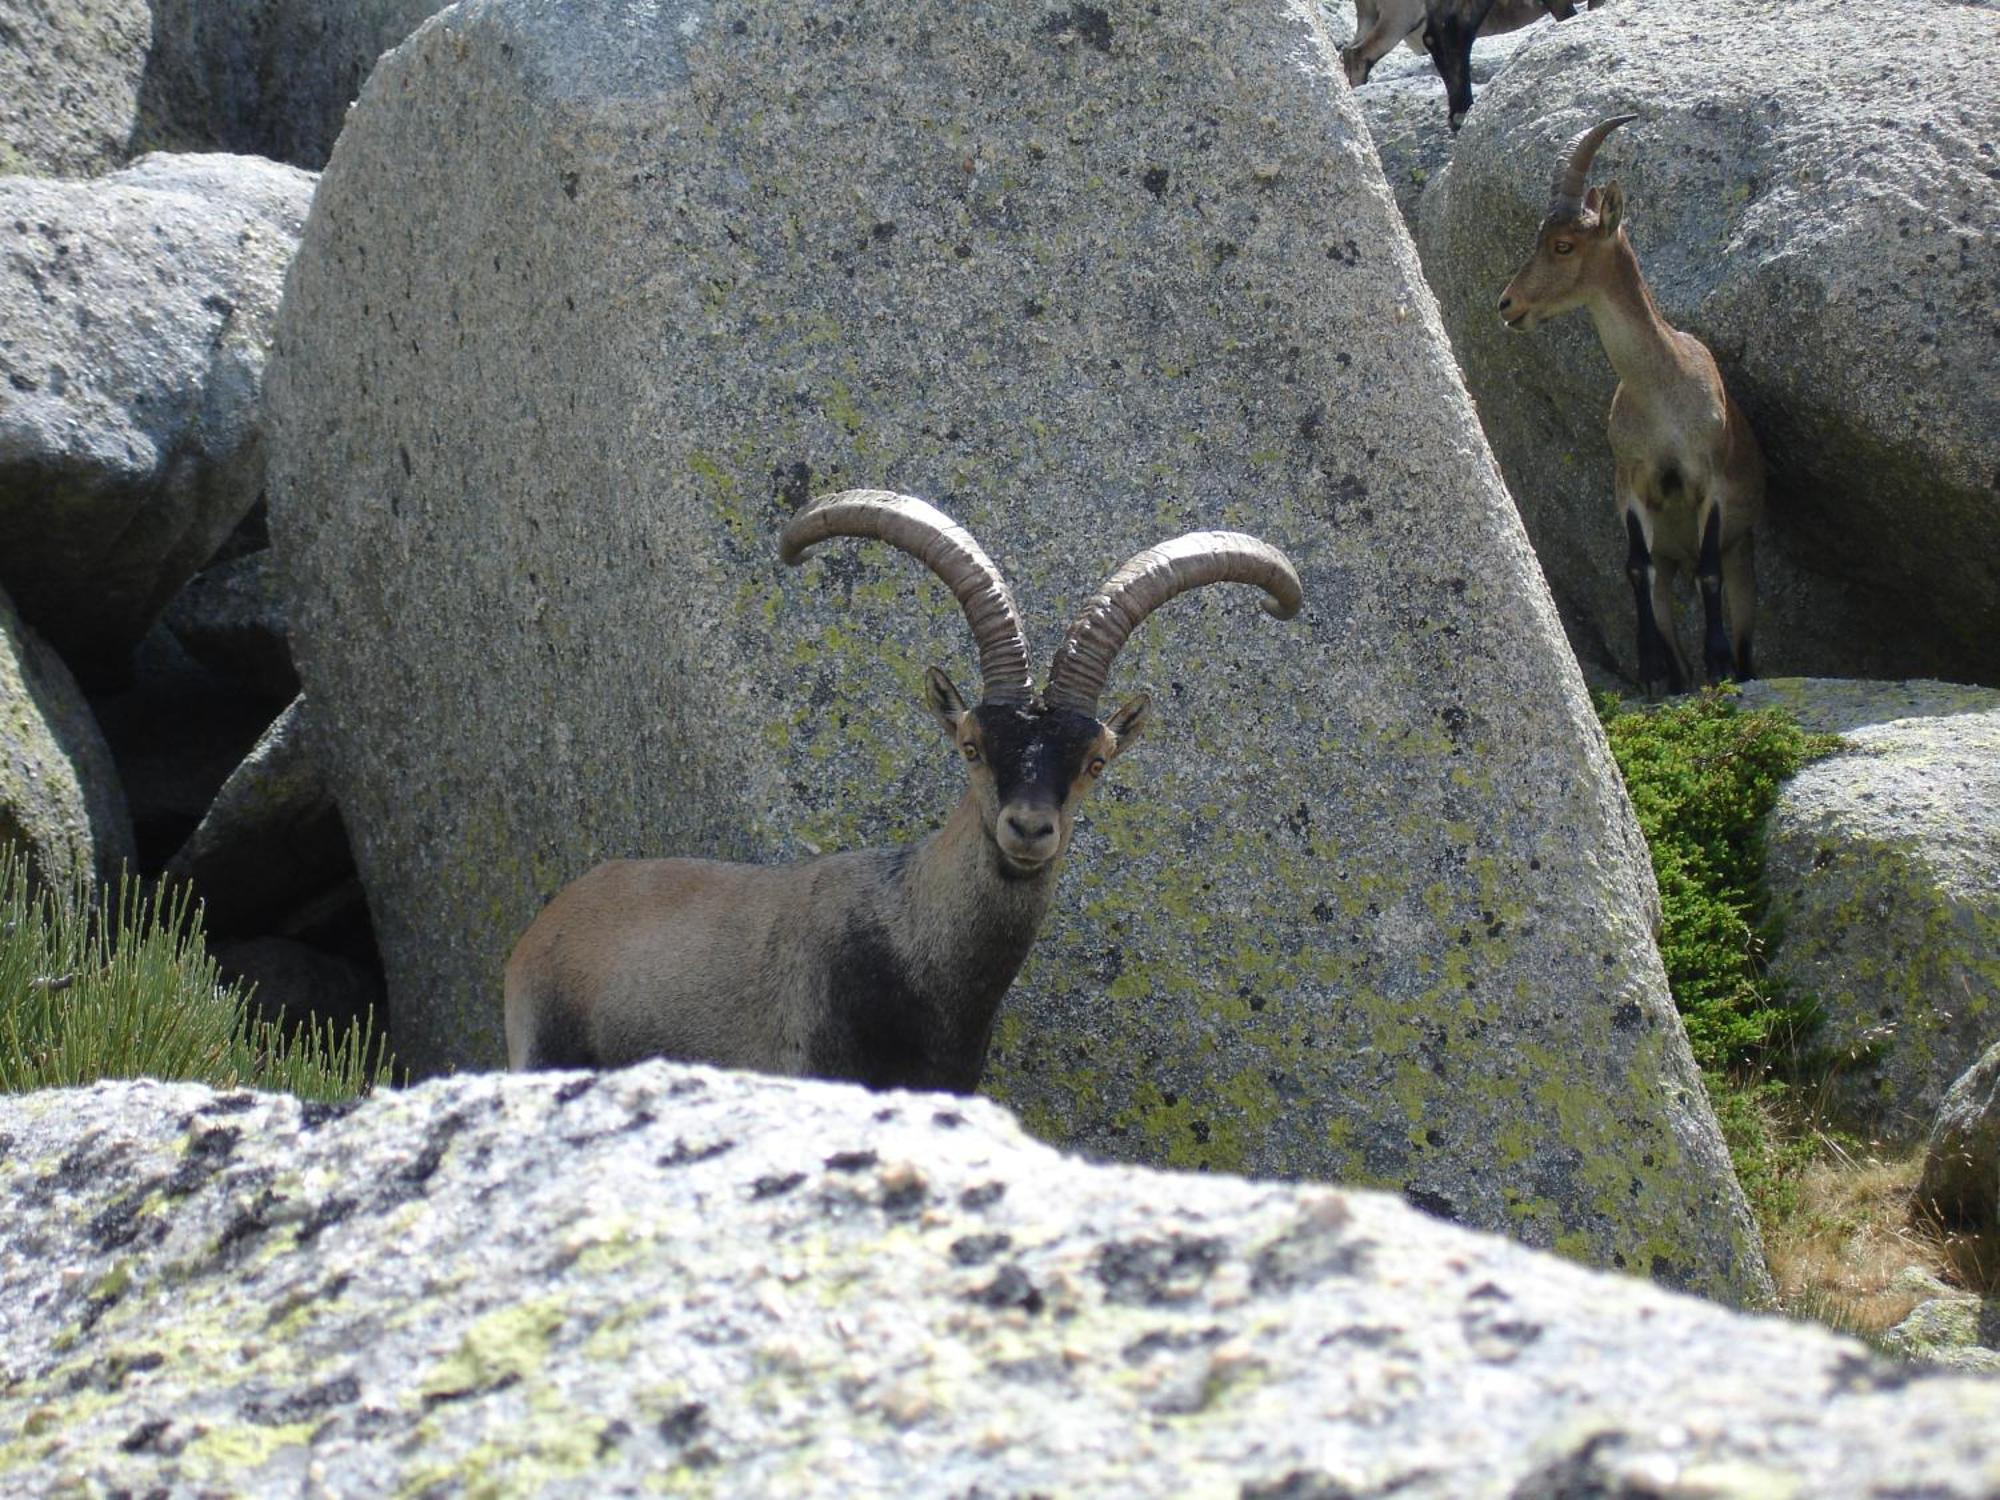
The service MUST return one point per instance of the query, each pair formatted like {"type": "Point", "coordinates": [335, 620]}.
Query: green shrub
{"type": "Point", "coordinates": [94, 986]}
{"type": "Point", "coordinates": [1702, 775]}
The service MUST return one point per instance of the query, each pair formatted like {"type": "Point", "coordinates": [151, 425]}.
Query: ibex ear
{"type": "Point", "coordinates": [1126, 723]}
{"type": "Point", "coordinates": [943, 700]}
{"type": "Point", "coordinates": [1610, 206]}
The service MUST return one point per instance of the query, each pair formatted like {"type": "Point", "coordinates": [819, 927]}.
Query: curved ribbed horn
{"type": "Point", "coordinates": [1150, 579]}
{"type": "Point", "coordinates": [948, 550]}
{"type": "Point", "coordinates": [1566, 190]}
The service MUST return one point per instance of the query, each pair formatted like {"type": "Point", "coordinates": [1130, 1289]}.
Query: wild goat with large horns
{"type": "Point", "coordinates": [883, 966]}
{"type": "Point", "coordinates": [1450, 26]}
{"type": "Point", "coordinates": [1380, 24]}
{"type": "Point", "coordinates": [1689, 477]}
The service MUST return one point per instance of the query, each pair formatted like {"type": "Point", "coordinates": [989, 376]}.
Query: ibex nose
{"type": "Point", "coordinates": [1505, 302]}
{"type": "Point", "coordinates": [1030, 830]}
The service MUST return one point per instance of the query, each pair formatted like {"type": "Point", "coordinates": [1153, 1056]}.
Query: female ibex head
{"type": "Point", "coordinates": [1573, 248]}
{"type": "Point", "coordinates": [1034, 755]}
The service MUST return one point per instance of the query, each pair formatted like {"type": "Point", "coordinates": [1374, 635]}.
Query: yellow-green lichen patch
{"type": "Point", "coordinates": [510, 1344]}
{"type": "Point", "coordinates": [225, 1453]}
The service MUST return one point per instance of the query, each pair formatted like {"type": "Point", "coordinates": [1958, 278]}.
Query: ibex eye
{"type": "Point", "coordinates": [969, 750]}
{"type": "Point", "coordinates": [1096, 766]}
{"type": "Point", "coordinates": [1563, 247]}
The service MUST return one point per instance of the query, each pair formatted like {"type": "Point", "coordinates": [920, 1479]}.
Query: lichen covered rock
{"type": "Point", "coordinates": [135, 315]}
{"type": "Point", "coordinates": [61, 803]}
{"type": "Point", "coordinates": [1961, 1181]}
{"type": "Point", "coordinates": [1883, 864]}
{"type": "Point", "coordinates": [1367, 904]}
{"type": "Point", "coordinates": [729, 1286]}
{"type": "Point", "coordinates": [1960, 1332]}
{"type": "Point", "coordinates": [1810, 189]}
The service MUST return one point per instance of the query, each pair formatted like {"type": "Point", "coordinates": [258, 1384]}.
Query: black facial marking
{"type": "Point", "coordinates": [1035, 753]}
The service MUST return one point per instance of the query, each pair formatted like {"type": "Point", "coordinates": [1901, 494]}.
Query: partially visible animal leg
{"type": "Point", "coordinates": [1449, 27]}
{"type": "Point", "coordinates": [1366, 50]}
{"type": "Point", "coordinates": [1739, 599]}
{"type": "Point", "coordinates": [1658, 654]}
{"type": "Point", "coordinates": [1716, 658]}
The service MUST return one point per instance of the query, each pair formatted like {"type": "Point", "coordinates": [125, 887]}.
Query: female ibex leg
{"type": "Point", "coordinates": [1658, 657]}
{"type": "Point", "coordinates": [1739, 600]}
{"type": "Point", "coordinates": [1716, 658]}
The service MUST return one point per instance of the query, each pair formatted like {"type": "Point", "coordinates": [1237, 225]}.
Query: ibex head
{"type": "Point", "coordinates": [1034, 756]}
{"type": "Point", "coordinates": [1574, 246]}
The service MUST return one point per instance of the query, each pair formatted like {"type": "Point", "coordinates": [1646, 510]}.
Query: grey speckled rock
{"type": "Point", "coordinates": [726, 1286]}
{"type": "Point", "coordinates": [266, 77]}
{"type": "Point", "coordinates": [1834, 705]}
{"type": "Point", "coordinates": [1367, 904]}
{"type": "Point", "coordinates": [1404, 103]}
{"type": "Point", "coordinates": [1961, 1181]}
{"type": "Point", "coordinates": [1884, 872]}
{"type": "Point", "coordinates": [60, 797]}
{"type": "Point", "coordinates": [271, 840]}
{"type": "Point", "coordinates": [70, 75]}
{"type": "Point", "coordinates": [1811, 190]}
{"type": "Point", "coordinates": [135, 313]}
{"type": "Point", "coordinates": [231, 618]}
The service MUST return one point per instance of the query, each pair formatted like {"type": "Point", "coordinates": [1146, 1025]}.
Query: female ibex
{"type": "Point", "coordinates": [883, 966]}
{"type": "Point", "coordinates": [1689, 477]}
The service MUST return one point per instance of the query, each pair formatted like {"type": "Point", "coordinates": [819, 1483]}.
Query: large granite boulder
{"type": "Point", "coordinates": [266, 77]}
{"type": "Point", "coordinates": [61, 803]}
{"type": "Point", "coordinates": [1369, 904]}
{"type": "Point", "coordinates": [1961, 1181]}
{"type": "Point", "coordinates": [1810, 189]}
{"type": "Point", "coordinates": [272, 839]}
{"type": "Point", "coordinates": [719, 1285]}
{"type": "Point", "coordinates": [231, 619]}
{"type": "Point", "coordinates": [135, 314]}
{"type": "Point", "coordinates": [71, 73]}
{"type": "Point", "coordinates": [1883, 866]}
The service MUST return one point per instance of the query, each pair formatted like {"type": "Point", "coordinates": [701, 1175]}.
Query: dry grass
{"type": "Point", "coordinates": [1851, 1233]}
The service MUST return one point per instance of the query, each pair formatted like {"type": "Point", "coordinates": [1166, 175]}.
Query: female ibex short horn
{"type": "Point", "coordinates": [884, 966]}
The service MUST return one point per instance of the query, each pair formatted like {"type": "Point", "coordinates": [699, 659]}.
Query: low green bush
{"type": "Point", "coordinates": [1703, 774]}
{"type": "Point", "coordinates": [96, 985]}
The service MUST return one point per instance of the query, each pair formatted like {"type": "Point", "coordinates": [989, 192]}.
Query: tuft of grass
{"type": "Point", "coordinates": [96, 984]}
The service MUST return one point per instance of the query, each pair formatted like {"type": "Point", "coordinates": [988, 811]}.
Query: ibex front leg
{"type": "Point", "coordinates": [1716, 657]}
{"type": "Point", "coordinates": [1657, 657]}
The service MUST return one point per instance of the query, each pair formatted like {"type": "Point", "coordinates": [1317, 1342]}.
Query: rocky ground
{"type": "Point", "coordinates": [1369, 906]}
